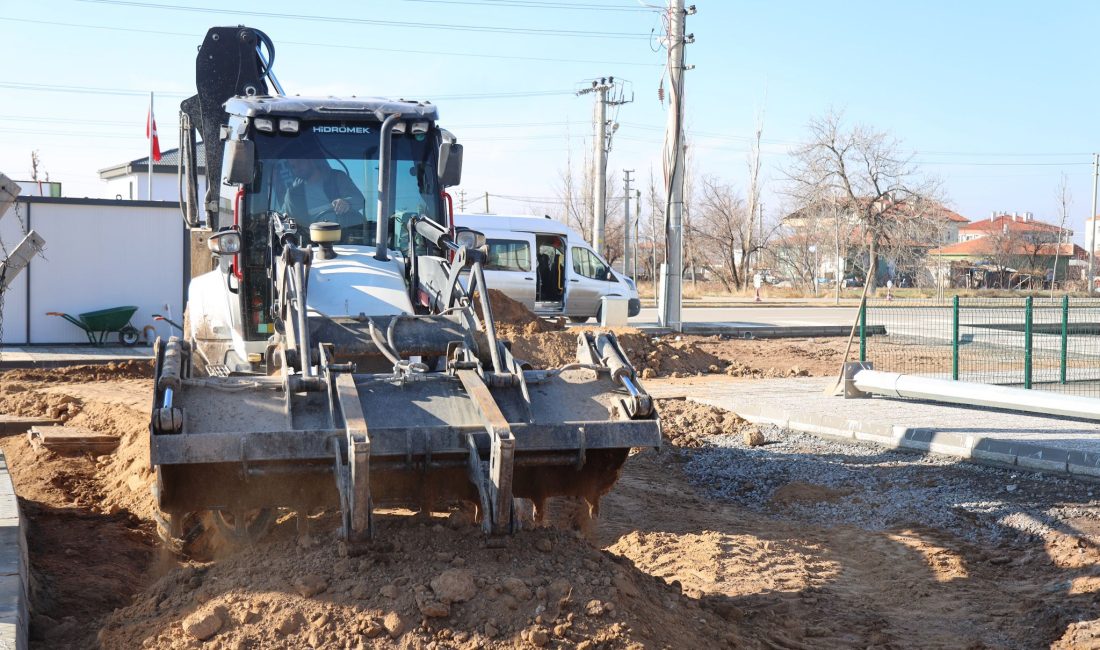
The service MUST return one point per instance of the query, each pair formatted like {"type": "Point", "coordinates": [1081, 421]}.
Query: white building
{"type": "Point", "coordinates": [130, 181]}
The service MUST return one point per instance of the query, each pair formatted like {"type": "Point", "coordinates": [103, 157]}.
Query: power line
{"type": "Point", "coordinates": [527, 4]}
{"type": "Point", "coordinates": [84, 89]}
{"type": "Point", "coordinates": [162, 93]}
{"type": "Point", "coordinates": [340, 46]}
{"type": "Point", "coordinates": [529, 31]}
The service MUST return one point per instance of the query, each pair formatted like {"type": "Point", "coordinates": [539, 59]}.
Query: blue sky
{"type": "Point", "coordinates": [996, 98]}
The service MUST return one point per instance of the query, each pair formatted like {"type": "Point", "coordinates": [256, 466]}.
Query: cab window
{"type": "Point", "coordinates": [587, 264]}
{"type": "Point", "coordinates": [508, 255]}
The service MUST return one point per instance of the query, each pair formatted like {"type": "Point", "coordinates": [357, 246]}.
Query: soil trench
{"type": "Point", "coordinates": [730, 536]}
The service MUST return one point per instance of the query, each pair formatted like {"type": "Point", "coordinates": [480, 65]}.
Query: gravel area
{"type": "Point", "coordinates": [799, 476]}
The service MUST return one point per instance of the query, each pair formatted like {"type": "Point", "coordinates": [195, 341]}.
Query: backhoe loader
{"type": "Point", "coordinates": [339, 349]}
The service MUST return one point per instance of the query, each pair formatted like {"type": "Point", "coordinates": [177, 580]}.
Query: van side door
{"type": "Point", "coordinates": [510, 267]}
{"type": "Point", "coordinates": [588, 282]}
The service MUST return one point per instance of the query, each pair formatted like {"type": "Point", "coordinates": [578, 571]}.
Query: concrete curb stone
{"type": "Point", "coordinates": [14, 598]}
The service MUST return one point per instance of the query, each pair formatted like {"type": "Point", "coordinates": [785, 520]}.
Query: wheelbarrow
{"type": "Point", "coordinates": [98, 324]}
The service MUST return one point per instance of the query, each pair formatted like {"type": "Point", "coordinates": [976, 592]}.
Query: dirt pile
{"type": "Point", "coordinates": [681, 355]}
{"type": "Point", "coordinates": [434, 586]}
{"type": "Point", "coordinates": [546, 343]}
{"type": "Point", "coordinates": [512, 316]}
{"type": "Point", "coordinates": [688, 424]}
{"type": "Point", "coordinates": [113, 371]}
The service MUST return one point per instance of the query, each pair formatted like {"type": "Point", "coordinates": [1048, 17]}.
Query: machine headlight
{"type": "Point", "coordinates": [226, 242]}
{"type": "Point", "coordinates": [399, 127]}
{"type": "Point", "coordinates": [288, 126]}
{"type": "Point", "coordinates": [419, 127]}
{"type": "Point", "coordinates": [264, 124]}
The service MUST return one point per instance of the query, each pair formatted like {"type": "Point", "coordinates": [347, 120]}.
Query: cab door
{"type": "Point", "coordinates": [587, 282]}
{"type": "Point", "coordinates": [510, 267]}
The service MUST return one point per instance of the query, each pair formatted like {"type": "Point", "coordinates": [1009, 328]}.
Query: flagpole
{"type": "Point", "coordinates": [149, 129]}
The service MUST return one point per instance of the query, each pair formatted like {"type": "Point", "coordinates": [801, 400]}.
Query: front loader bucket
{"type": "Point", "coordinates": [355, 441]}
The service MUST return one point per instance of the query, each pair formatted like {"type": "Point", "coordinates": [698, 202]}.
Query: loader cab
{"type": "Point", "coordinates": [318, 160]}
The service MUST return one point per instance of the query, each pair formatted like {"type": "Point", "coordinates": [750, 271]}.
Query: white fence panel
{"type": "Point", "coordinates": [101, 254]}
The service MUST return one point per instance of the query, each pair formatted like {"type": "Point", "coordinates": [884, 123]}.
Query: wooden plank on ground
{"type": "Point", "coordinates": [19, 424]}
{"type": "Point", "coordinates": [62, 439]}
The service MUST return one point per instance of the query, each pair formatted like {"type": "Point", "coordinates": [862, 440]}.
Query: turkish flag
{"type": "Point", "coordinates": [151, 127]}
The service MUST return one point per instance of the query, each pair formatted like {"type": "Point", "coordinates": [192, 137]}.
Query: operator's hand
{"type": "Point", "coordinates": [340, 206]}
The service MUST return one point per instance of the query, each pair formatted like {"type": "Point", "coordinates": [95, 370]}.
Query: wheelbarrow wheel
{"type": "Point", "coordinates": [129, 335]}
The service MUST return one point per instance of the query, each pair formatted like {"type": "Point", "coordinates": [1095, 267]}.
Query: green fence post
{"type": "Point", "coordinates": [1027, 342]}
{"type": "Point", "coordinates": [955, 337]}
{"type": "Point", "coordinates": [863, 332]}
{"type": "Point", "coordinates": [1065, 337]}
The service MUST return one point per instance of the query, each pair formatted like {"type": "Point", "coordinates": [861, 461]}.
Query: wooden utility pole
{"type": "Point", "coordinates": [486, 203]}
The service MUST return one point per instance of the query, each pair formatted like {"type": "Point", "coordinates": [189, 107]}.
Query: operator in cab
{"type": "Point", "coordinates": [321, 193]}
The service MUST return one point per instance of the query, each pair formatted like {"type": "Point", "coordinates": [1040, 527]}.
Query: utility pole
{"type": "Point", "coordinates": [637, 228]}
{"type": "Point", "coordinates": [670, 299]}
{"type": "Point", "coordinates": [1092, 246]}
{"type": "Point", "coordinates": [608, 93]}
{"type": "Point", "coordinates": [653, 250]}
{"type": "Point", "coordinates": [486, 203]}
{"type": "Point", "coordinates": [462, 200]}
{"type": "Point", "coordinates": [628, 230]}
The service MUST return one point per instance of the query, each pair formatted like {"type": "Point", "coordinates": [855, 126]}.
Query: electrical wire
{"type": "Point", "coordinates": [342, 46]}
{"type": "Point", "coordinates": [527, 31]}
{"type": "Point", "coordinates": [528, 4]}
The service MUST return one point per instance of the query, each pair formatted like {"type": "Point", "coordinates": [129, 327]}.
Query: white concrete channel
{"type": "Point", "coordinates": [892, 384]}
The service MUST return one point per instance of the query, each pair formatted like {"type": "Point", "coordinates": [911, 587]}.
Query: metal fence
{"type": "Point", "coordinates": [1039, 343]}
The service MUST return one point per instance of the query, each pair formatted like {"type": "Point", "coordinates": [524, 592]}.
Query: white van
{"type": "Point", "coordinates": [548, 266]}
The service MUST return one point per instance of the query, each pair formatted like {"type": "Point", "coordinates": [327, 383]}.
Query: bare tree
{"type": "Point", "coordinates": [574, 207]}
{"type": "Point", "coordinates": [36, 161]}
{"type": "Point", "coordinates": [1064, 199]}
{"type": "Point", "coordinates": [726, 231]}
{"type": "Point", "coordinates": [872, 180]}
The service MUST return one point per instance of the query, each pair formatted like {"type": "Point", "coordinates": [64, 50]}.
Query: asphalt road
{"type": "Point", "coordinates": [757, 316]}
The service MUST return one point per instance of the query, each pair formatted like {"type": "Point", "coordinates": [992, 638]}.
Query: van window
{"type": "Point", "coordinates": [587, 264]}
{"type": "Point", "coordinates": [508, 255]}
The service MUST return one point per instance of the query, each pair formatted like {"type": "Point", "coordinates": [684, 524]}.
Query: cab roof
{"type": "Point", "coordinates": [329, 108]}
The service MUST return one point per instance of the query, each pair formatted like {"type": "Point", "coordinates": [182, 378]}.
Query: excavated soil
{"type": "Point", "coordinates": [677, 560]}
{"type": "Point", "coordinates": [548, 344]}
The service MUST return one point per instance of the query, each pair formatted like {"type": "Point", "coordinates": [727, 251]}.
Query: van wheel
{"type": "Point", "coordinates": [579, 319]}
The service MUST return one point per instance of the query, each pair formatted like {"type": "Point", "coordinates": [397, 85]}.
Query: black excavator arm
{"type": "Point", "coordinates": [230, 62]}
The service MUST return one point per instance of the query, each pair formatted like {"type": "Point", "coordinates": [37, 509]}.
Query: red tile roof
{"type": "Point", "coordinates": [998, 224]}
{"type": "Point", "coordinates": [986, 246]}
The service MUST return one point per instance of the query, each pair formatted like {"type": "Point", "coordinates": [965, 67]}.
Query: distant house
{"type": "Point", "coordinates": [1021, 224]}
{"type": "Point", "coordinates": [1008, 250]}
{"type": "Point", "coordinates": [808, 246]}
{"type": "Point", "coordinates": [129, 180]}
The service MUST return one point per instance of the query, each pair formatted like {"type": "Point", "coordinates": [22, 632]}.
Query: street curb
{"type": "Point", "coordinates": [765, 331]}
{"type": "Point", "coordinates": [976, 449]}
{"type": "Point", "coordinates": [14, 597]}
